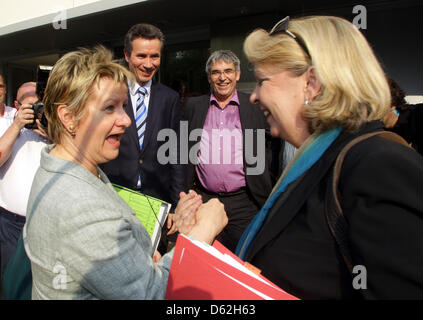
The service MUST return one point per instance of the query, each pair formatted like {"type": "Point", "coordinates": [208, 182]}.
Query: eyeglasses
{"type": "Point", "coordinates": [218, 73]}
{"type": "Point", "coordinates": [282, 26]}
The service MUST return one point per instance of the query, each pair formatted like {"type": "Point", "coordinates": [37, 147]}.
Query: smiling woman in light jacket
{"type": "Point", "coordinates": [83, 240]}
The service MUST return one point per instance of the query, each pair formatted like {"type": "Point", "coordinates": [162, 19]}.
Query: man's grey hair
{"type": "Point", "coordinates": [225, 55]}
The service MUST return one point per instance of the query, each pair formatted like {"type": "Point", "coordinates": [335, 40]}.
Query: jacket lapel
{"type": "Point", "coordinates": [201, 114]}
{"type": "Point", "coordinates": [151, 115]}
{"type": "Point", "coordinates": [132, 129]}
{"type": "Point", "coordinates": [286, 207]}
{"type": "Point", "coordinates": [196, 119]}
{"type": "Point", "coordinates": [247, 122]}
{"type": "Point", "coordinates": [245, 113]}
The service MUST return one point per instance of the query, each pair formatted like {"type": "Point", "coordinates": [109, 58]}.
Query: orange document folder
{"type": "Point", "coordinates": [202, 272]}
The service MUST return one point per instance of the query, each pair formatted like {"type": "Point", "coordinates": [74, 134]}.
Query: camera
{"type": "Point", "coordinates": [42, 76]}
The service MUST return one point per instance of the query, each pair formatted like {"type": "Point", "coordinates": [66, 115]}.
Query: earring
{"type": "Point", "coordinates": [306, 94]}
{"type": "Point", "coordinates": [72, 132]}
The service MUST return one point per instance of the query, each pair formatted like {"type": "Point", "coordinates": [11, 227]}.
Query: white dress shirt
{"type": "Point", "coordinates": [17, 173]}
{"type": "Point", "coordinates": [133, 92]}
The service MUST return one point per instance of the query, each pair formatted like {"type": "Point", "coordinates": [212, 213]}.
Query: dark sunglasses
{"type": "Point", "coordinates": [282, 26]}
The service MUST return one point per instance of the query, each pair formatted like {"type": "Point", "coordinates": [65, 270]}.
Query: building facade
{"type": "Point", "coordinates": [39, 32]}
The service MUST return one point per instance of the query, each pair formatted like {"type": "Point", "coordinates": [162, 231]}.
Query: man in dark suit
{"type": "Point", "coordinates": [232, 159]}
{"type": "Point", "coordinates": [151, 107]}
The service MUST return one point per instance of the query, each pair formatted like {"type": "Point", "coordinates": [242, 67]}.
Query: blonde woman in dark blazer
{"type": "Point", "coordinates": [320, 86]}
{"type": "Point", "coordinates": [83, 240]}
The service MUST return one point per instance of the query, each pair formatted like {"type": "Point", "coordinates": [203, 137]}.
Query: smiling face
{"type": "Point", "coordinates": [281, 96]}
{"type": "Point", "coordinates": [98, 133]}
{"type": "Point", "coordinates": [144, 59]}
{"type": "Point", "coordinates": [223, 78]}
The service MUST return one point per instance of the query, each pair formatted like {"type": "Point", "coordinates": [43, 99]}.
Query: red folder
{"type": "Point", "coordinates": [196, 274]}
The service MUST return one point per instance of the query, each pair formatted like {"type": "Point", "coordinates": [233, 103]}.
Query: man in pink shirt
{"type": "Point", "coordinates": [231, 163]}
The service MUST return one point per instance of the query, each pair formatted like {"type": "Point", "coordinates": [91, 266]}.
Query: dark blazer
{"type": "Point", "coordinates": [161, 181]}
{"type": "Point", "coordinates": [381, 196]}
{"type": "Point", "coordinates": [195, 112]}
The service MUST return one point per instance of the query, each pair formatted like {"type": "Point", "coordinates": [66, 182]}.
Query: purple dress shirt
{"type": "Point", "coordinates": [220, 159]}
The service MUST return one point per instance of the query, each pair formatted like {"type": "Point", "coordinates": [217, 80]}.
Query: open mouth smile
{"type": "Point", "coordinates": [114, 139]}
{"type": "Point", "coordinates": [265, 111]}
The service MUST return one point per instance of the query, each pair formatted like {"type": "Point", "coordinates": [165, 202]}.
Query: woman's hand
{"type": "Point", "coordinates": [211, 219]}
{"type": "Point", "coordinates": [184, 218]}
{"type": "Point", "coordinates": [157, 256]}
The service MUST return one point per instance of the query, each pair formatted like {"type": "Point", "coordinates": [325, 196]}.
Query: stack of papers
{"type": "Point", "coordinates": [203, 272]}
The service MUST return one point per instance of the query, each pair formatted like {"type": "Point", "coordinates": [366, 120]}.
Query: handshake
{"type": "Point", "coordinates": [203, 221]}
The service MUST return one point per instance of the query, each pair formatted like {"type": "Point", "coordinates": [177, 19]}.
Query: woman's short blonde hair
{"type": "Point", "coordinates": [71, 80]}
{"type": "Point", "coordinates": [354, 88]}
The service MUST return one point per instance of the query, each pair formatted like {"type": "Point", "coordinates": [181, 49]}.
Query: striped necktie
{"type": "Point", "coordinates": [141, 115]}
{"type": "Point", "coordinates": [140, 120]}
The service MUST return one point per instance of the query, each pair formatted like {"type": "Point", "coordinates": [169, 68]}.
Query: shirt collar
{"type": "Point", "coordinates": [233, 100]}
{"type": "Point", "coordinates": [133, 87]}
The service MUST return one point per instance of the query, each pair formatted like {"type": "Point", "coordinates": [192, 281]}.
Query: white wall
{"type": "Point", "coordinates": [21, 10]}
{"type": "Point", "coordinates": [19, 15]}
{"type": "Point", "coordinates": [414, 99]}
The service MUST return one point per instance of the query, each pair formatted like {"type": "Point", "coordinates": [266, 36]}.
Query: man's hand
{"type": "Point", "coordinates": [211, 220]}
{"type": "Point", "coordinates": [24, 116]}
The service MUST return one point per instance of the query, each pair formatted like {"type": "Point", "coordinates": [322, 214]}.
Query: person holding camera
{"type": "Point", "coordinates": [19, 160]}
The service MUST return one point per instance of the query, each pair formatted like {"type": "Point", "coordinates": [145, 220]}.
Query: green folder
{"type": "Point", "coordinates": [152, 212]}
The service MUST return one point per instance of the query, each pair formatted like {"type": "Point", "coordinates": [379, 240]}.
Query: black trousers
{"type": "Point", "coordinates": [240, 209]}
{"type": "Point", "coordinates": [11, 226]}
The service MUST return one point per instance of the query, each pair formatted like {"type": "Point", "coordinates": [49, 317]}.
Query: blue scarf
{"type": "Point", "coordinates": [308, 157]}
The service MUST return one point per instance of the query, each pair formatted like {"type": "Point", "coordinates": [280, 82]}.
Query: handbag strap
{"type": "Point", "coordinates": [337, 222]}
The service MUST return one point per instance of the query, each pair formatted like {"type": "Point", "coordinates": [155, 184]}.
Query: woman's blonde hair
{"type": "Point", "coordinates": [71, 80]}
{"type": "Point", "coordinates": [354, 88]}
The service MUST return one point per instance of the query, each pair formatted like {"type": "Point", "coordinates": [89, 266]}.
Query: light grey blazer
{"type": "Point", "coordinates": [84, 241]}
